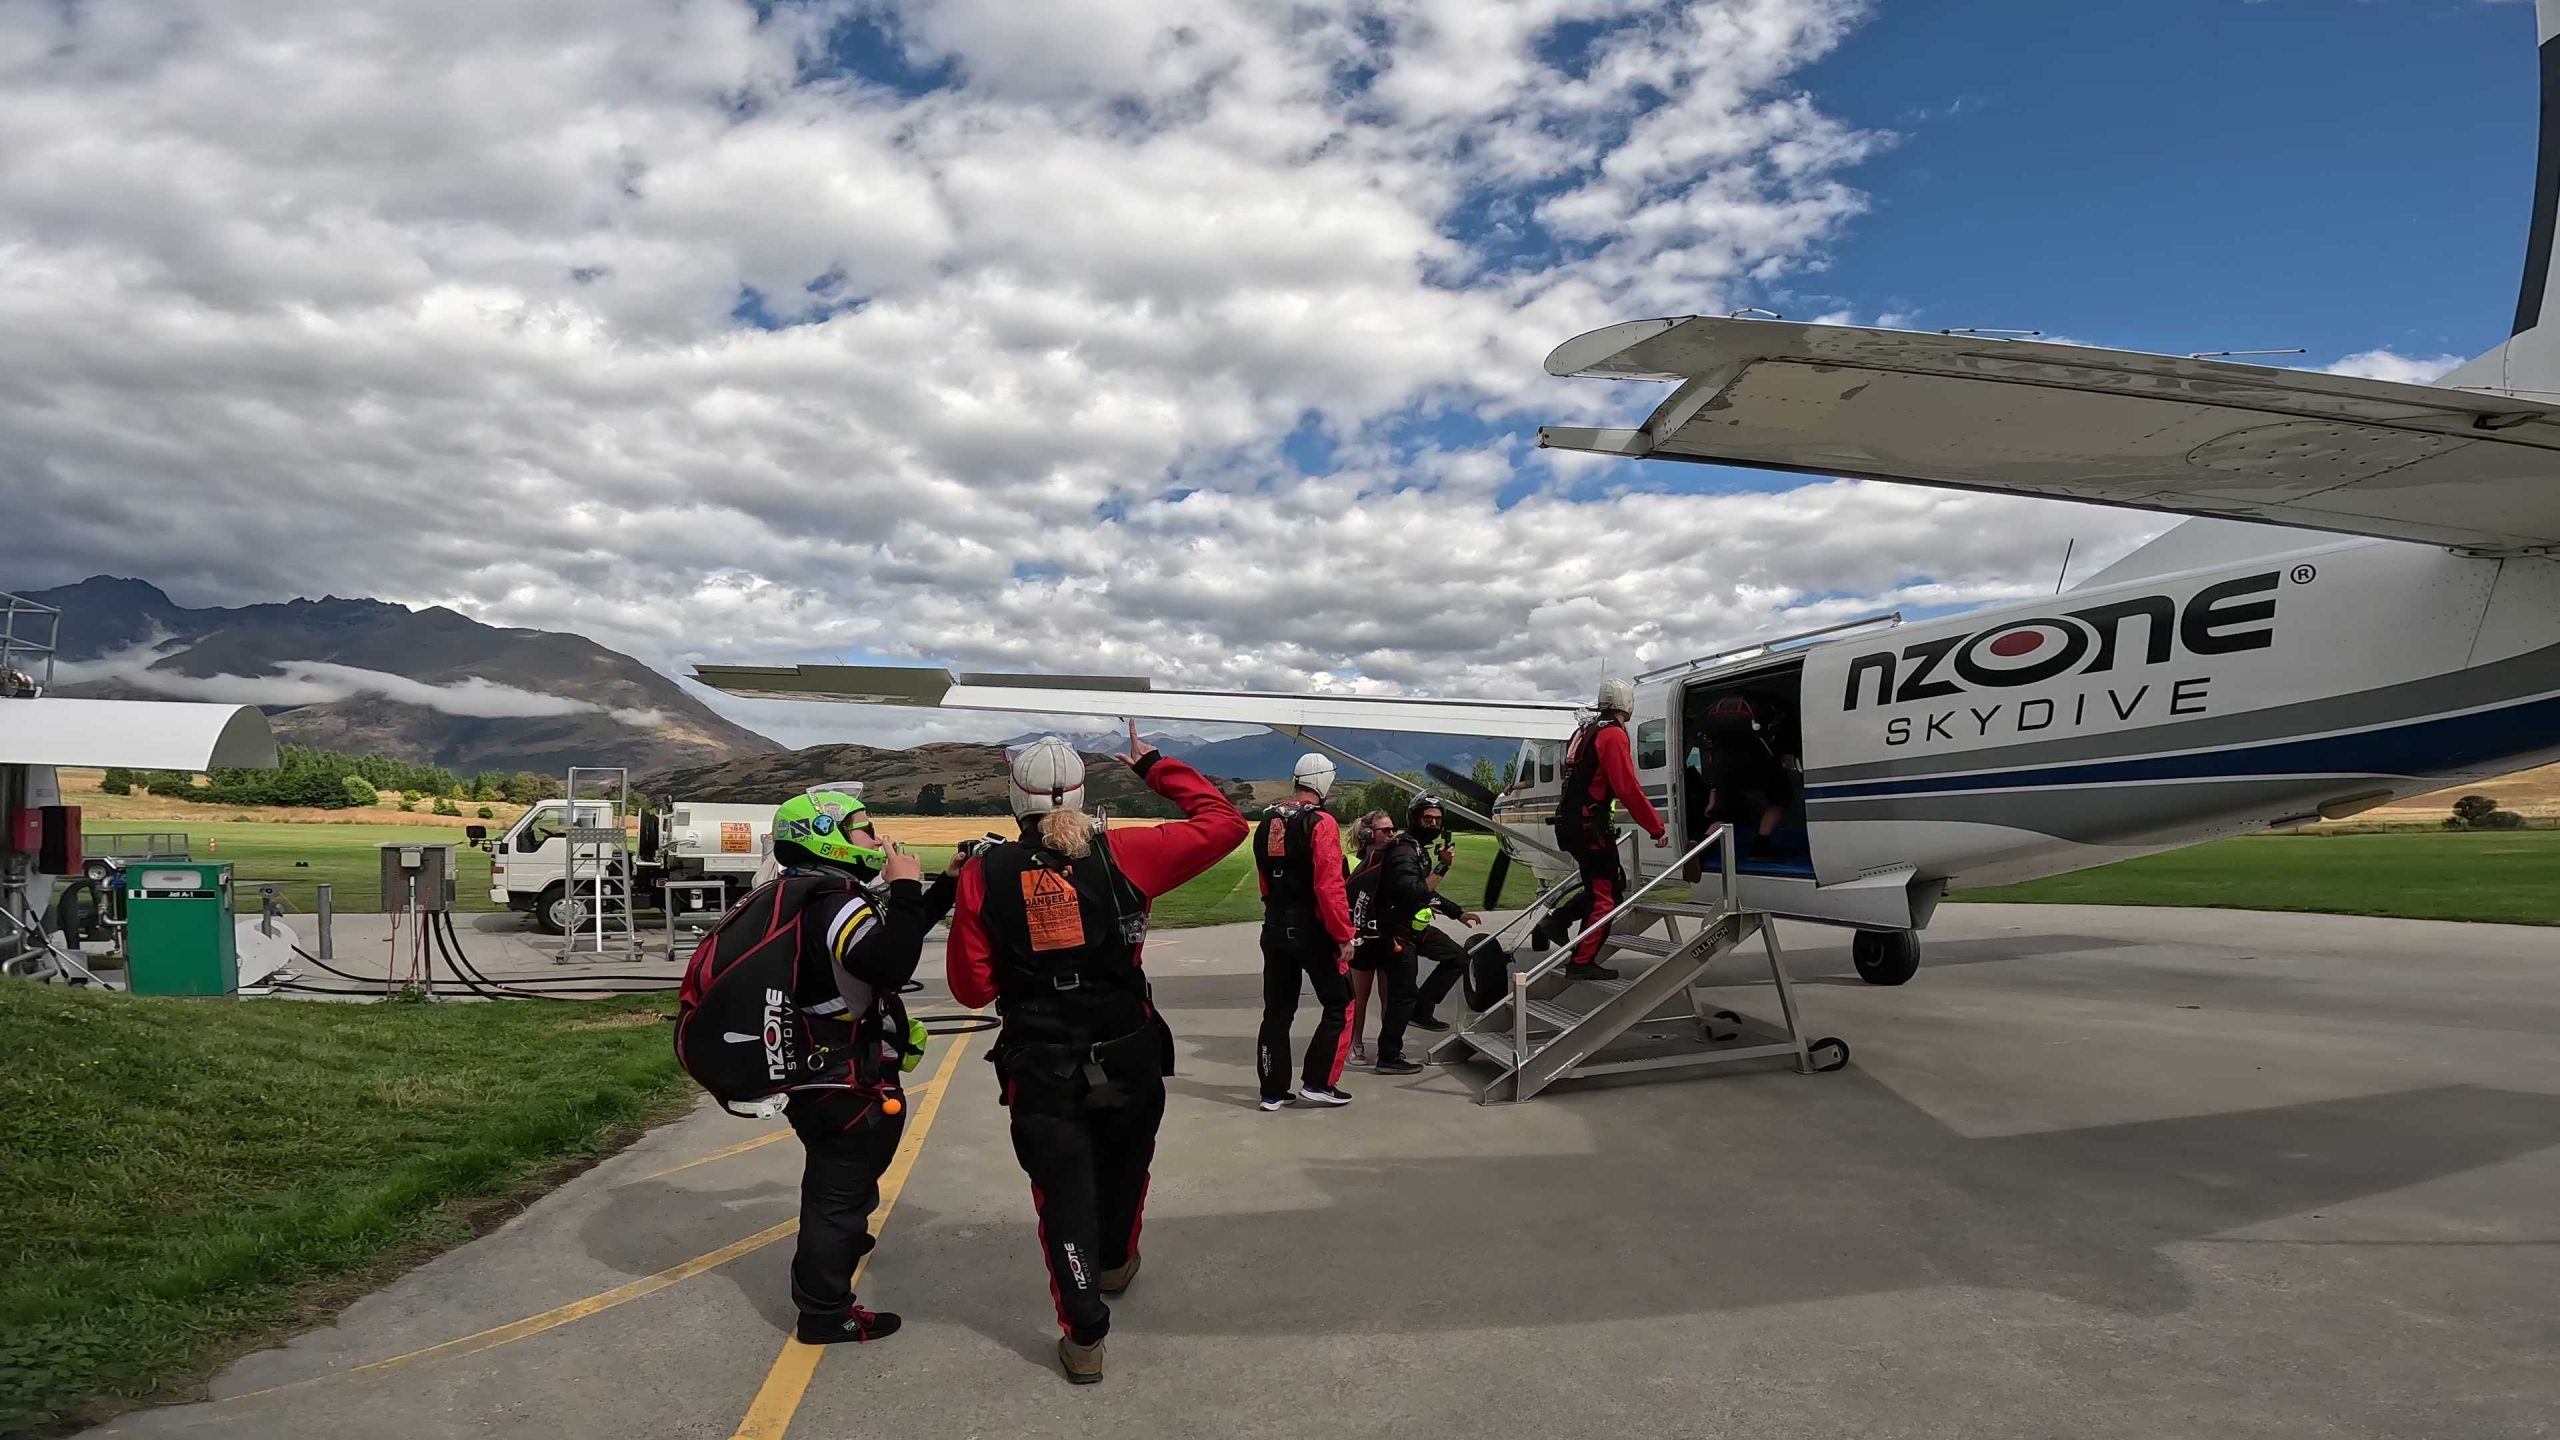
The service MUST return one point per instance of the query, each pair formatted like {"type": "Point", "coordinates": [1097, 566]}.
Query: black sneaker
{"type": "Point", "coordinates": [1425, 1022]}
{"type": "Point", "coordinates": [1330, 1095]}
{"type": "Point", "coordinates": [1593, 971]}
{"type": "Point", "coordinates": [1398, 1065]}
{"type": "Point", "coordinates": [853, 1327]}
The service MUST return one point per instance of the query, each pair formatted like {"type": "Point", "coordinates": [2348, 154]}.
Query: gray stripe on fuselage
{"type": "Point", "coordinates": [2105, 814]}
{"type": "Point", "coordinates": [2520, 677]}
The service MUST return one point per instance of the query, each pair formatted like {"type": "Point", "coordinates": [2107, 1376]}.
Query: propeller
{"type": "Point", "coordinates": [1462, 786]}
{"type": "Point", "coordinates": [1480, 798]}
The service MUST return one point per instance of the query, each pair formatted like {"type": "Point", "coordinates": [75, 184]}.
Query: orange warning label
{"type": "Point", "coordinates": [1049, 904]}
{"type": "Point", "coordinates": [736, 838]}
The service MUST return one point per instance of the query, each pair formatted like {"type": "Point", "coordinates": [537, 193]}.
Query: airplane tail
{"type": "Point", "coordinates": [2529, 361]}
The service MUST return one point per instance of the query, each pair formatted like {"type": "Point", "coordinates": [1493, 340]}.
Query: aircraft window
{"type": "Point", "coordinates": [1652, 747]}
{"type": "Point", "coordinates": [1547, 763]}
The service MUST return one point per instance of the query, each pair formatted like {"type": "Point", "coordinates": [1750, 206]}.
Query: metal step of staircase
{"type": "Point", "coordinates": [1590, 1028]}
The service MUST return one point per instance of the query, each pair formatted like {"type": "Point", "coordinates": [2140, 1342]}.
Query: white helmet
{"type": "Point", "coordinates": [1315, 773]}
{"type": "Point", "coordinates": [1617, 695]}
{"type": "Point", "coordinates": [1047, 775]}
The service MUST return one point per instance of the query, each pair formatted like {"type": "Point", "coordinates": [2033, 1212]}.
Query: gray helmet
{"type": "Point", "coordinates": [1617, 695]}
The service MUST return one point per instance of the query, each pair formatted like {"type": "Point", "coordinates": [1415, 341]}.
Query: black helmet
{"type": "Point", "coordinates": [1413, 815]}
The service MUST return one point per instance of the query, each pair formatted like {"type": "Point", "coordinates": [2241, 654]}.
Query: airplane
{"type": "Point", "coordinates": [2363, 604]}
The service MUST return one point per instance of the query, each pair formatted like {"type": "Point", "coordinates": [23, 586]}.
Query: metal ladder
{"type": "Point", "coordinates": [1549, 1027]}
{"type": "Point", "coordinates": [597, 873]}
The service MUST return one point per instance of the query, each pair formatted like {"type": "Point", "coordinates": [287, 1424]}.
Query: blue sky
{"type": "Point", "coordinates": [1190, 338]}
{"type": "Point", "coordinates": [2180, 175]}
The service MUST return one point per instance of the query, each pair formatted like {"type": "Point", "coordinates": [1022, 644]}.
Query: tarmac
{"type": "Point", "coordinates": [2095, 1172]}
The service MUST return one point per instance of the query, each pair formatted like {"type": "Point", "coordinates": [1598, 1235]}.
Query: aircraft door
{"type": "Point", "coordinates": [1655, 775]}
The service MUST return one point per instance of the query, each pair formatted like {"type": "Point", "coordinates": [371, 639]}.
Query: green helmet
{"type": "Point", "coordinates": [817, 821]}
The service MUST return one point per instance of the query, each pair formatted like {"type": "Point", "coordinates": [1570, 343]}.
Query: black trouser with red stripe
{"type": "Point", "coordinates": [1088, 1168]}
{"type": "Point", "coordinates": [1604, 881]}
{"type": "Point", "coordinates": [1295, 945]}
{"type": "Point", "coordinates": [848, 1143]}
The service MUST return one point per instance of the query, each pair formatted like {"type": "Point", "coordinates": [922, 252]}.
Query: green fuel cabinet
{"type": "Point", "coordinates": [179, 935]}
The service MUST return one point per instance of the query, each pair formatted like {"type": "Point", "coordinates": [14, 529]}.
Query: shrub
{"type": "Point", "coordinates": [445, 806]}
{"type": "Point", "coordinates": [116, 782]}
{"type": "Point", "coordinates": [488, 814]}
{"type": "Point", "coordinates": [175, 784]}
{"type": "Point", "coordinates": [2480, 812]}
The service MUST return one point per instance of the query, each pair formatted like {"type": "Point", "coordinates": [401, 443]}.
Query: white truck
{"type": "Point", "coordinates": [686, 840]}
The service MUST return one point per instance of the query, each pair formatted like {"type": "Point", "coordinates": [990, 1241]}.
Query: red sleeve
{"type": "Point", "coordinates": [968, 963]}
{"type": "Point", "coordinates": [1332, 906]}
{"type": "Point", "coordinates": [1618, 777]}
{"type": "Point", "coordinates": [1166, 857]}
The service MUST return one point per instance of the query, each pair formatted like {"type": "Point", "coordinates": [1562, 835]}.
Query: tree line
{"type": "Point", "coordinates": [328, 780]}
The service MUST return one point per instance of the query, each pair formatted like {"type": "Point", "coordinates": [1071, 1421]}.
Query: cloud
{"type": "Point", "coordinates": [319, 682]}
{"type": "Point", "coordinates": [2387, 365]}
{"type": "Point", "coordinates": [1192, 338]}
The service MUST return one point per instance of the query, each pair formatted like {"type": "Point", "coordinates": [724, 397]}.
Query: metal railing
{"type": "Point", "coordinates": [1521, 980]}
{"type": "Point", "coordinates": [22, 653]}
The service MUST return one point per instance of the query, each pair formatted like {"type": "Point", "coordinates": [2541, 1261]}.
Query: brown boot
{"type": "Point", "coordinates": [1083, 1363]}
{"type": "Point", "coordinates": [1118, 1277]}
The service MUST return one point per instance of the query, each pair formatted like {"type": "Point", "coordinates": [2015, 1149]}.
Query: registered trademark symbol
{"type": "Point", "coordinates": [2304, 574]}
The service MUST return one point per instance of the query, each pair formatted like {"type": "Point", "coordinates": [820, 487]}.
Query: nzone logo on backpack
{"type": "Point", "coordinates": [739, 1034]}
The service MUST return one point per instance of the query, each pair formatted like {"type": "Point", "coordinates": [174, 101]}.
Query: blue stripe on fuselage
{"type": "Point", "coordinates": [2419, 747]}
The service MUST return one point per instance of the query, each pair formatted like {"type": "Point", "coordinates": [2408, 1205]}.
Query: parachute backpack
{"type": "Point", "coordinates": [741, 1035]}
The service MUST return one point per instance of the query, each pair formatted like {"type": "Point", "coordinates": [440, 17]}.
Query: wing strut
{"type": "Point", "coordinates": [1506, 833]}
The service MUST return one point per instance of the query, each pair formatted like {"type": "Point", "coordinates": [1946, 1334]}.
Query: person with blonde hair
{"type": "Point", "coordinates": [1050, 928]}
{"type": "Point", "coordinates": [1369, 835]}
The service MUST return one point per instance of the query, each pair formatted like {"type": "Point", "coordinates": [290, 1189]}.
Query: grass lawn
{"type": "Point", "coordinates": [2511, 876]}
{"type": "Point", "coordinates": [182, 1177]}
{"type": "Point", "coordinates": [344, 855]}
{"type": "Point", "coordinates": [2418, 873]}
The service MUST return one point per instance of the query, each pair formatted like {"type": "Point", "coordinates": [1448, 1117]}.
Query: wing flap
{"type": "Point", "coordinates": [2323, 452]}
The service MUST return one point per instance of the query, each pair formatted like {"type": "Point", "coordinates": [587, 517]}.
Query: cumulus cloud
{"type": "Point", "coordinates": [2389, 365]}
{"type": "Point", "coordinates": [319, 682]}
{"type": "Point", "coordinates": [1195, 338]}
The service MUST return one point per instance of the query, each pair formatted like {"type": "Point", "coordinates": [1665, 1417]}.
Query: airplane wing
{"type": "Point", "coordinates": [2473, 470]}
{"type": "Point", "coordinates": [1138, 697]}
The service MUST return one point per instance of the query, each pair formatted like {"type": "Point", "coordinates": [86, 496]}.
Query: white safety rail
{"type": "Point", "coordinates": [1551, 1027]}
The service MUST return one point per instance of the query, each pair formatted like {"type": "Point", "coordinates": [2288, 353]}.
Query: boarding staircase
{"type": "Point", "coordinates": [1657, 1015]}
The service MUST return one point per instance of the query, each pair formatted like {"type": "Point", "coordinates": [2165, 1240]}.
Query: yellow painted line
{"type": "Point", "coordinates": [491, 1338]}
{"type": "Point", "coordinates": [638, 1289]}
{"type": "Point", "coordinates": [914, 1093]}
{"type": "Point", "coordinates": [742, 1147]}
{"type": "Point", "coordinates": [778, 1398]}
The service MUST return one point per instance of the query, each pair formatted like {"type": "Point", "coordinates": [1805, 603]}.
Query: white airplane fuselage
{"type": "Point", "coordinates": [2312, 681]}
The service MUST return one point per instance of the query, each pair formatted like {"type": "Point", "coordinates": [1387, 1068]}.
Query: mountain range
{"type": "Point", "coordinates": [973, 778]}
{"type": "Point", "coordinates": [435, 686]}
{"type": "Point", "coordinates": [369, 677]}
{"type": "Point", "coordinates": [1270, 756]}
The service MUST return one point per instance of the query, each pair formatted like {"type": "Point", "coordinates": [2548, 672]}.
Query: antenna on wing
{"type": "Point", "coordinates": [2066, 564]}
{"type": "Point", "coordinates": [1996, 332]}
{"type": "Point", "coordinates": [2227, 354]}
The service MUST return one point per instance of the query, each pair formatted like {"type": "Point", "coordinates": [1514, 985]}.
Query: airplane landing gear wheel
{"type": "Point", "coordinates": [1885, 957]}
{"type": "Point", "coordinates": [1815, 1051]}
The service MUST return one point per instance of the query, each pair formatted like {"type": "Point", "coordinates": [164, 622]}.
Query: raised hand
{"type": "Point", "coordinates": [1138, 749]}
{"type": "Point", "coordinates": [900, 865]}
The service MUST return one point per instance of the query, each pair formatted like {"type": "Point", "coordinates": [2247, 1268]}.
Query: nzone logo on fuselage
{"type": "Point", "coordinates": [2222, 619]}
